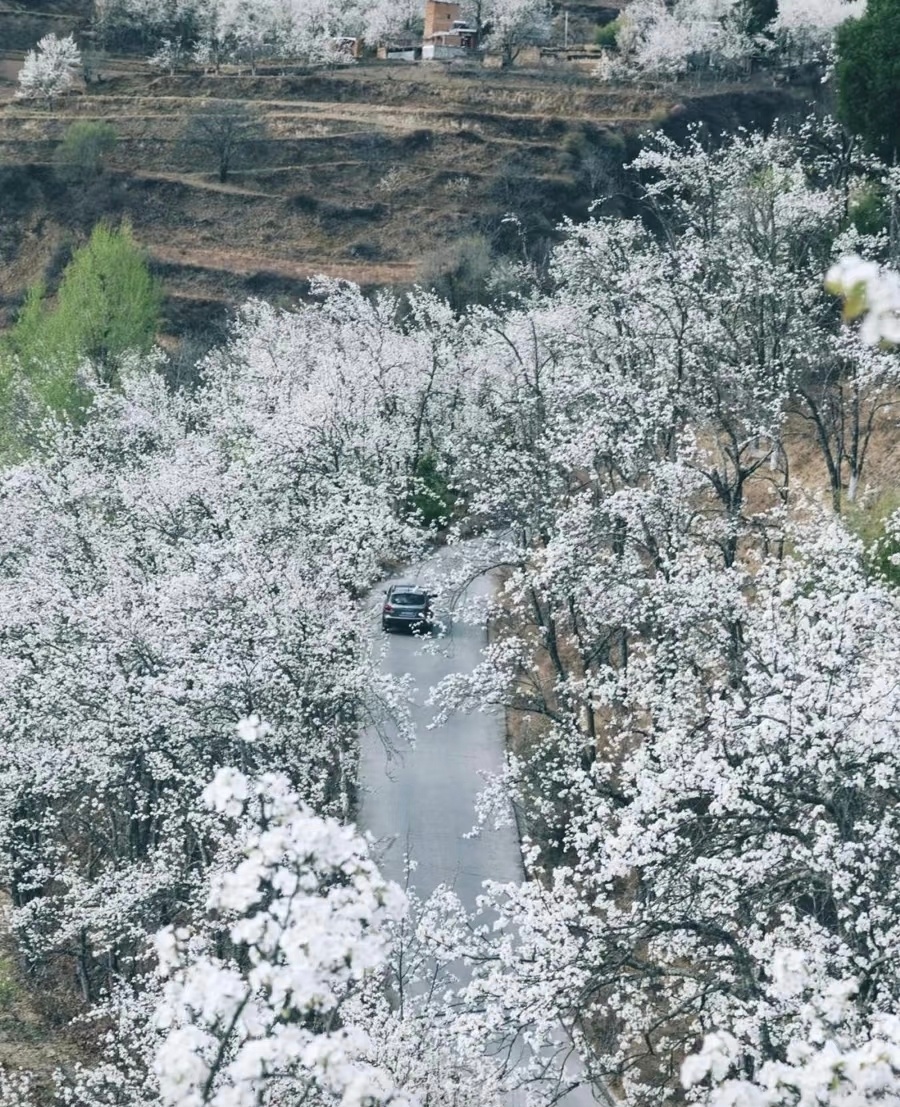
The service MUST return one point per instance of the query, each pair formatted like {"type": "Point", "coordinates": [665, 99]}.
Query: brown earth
{"type": "Point", "coordinates": [471, 145]}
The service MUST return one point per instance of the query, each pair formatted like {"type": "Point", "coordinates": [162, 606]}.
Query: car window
{"type": "Point", "coordinates": [411, 599]}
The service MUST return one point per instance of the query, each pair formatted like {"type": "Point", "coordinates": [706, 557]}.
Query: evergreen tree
{"type": "Point", "coordinates": [758, 14]}
{"type": "Point", "coordinates": [868, 74]}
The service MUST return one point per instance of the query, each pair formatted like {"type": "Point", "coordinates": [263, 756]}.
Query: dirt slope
{"type": "Point", "coordinates": [373, 174]}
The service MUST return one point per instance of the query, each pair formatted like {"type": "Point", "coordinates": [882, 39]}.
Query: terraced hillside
{"type": "Point", "coordinates": [375, 174]}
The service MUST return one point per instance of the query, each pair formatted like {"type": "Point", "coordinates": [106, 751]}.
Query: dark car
{"type": "Point", "coordinates": [407, 607]}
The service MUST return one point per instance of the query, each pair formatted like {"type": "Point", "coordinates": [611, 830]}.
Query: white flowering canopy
{"type": "Point", "coordinates": [306, 913]}
{"type": "Point", "coordinates": [50, 70]}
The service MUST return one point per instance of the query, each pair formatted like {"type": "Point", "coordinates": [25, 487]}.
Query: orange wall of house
{"type": "Point", "coordinates": [439, 16]}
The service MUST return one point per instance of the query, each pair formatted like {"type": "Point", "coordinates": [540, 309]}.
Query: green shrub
{"type": "Point", "coordinates": [83, 149]}
{"type": "Point", "coordinates": [9, 988]}
{"type": "Point", "coordinates": [431, 498]}
{"type": "Point", "coordinates": [869, 210]}
{"type": "Point", "coordinates": [608, 35]}
{"type": "Point", "coordinates": [879, 528]}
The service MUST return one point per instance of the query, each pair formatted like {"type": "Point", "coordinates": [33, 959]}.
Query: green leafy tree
{"type": "Point", "coordinates": [25, 339]}
{"type": "Point", "coordinates": [34, 377]}
{"type": "Point", "coordinates": [868, 75]}
{"type": "Point", "coordinates": [108, 303]}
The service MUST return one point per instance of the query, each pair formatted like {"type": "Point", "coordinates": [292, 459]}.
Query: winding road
{"type": "Point", "coordinates": [421, 801]}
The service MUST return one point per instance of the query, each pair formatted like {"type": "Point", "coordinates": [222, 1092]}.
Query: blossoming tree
{"type": "Point", "coordinates": [49, 71]}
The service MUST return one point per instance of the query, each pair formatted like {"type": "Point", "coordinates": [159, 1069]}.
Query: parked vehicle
{"type": "Point", "coordinates": [407, 607]}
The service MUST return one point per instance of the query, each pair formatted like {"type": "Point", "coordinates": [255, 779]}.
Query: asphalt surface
{"type": "Point", "coordinates": [420, 801]}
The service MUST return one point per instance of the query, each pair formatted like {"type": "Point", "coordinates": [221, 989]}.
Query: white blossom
{"type": "Point", "coordinates": [50, 70]}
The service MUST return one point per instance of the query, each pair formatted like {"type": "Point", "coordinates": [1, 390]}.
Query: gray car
{"type": "Point", "coordinates": [407, 607]}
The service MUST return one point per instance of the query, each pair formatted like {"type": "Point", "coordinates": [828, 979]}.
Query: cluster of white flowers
{"type": "Point", "coordinates": [838, 1050]}
{"type": "Point", "coordinates": [50, 70]}
{"type": "Point", "coordinates": [16, 1090]}
{"type": "Point", "coordinates": [805, 28]}
{"type": "Point", "coordinates": [308, 915]}
{"type": "Point", "coordinates": [870, 291]}
{"type": "Point", "coordinates": [666, 40]}
{"type": "Point", "coordinates": [835, 1056]}
{"type": "Point", "coordinates": [660, 40]}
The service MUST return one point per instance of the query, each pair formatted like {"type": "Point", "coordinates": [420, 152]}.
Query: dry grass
{"type": "Point", "coordinates": [244, 264]}
{"type": "Point", "coordinates": [331, 136]}
{"type": "Point", "coordinates": [31, 1039]}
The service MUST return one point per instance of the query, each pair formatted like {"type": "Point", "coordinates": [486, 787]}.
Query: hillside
{"type": "Point", "coordinates": [373, 174]}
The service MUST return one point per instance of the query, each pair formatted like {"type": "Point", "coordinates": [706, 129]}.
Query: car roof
{"type": "Point", "coordinates": [407, 588]}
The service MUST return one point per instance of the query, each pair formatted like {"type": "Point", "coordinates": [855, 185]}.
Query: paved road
{"type": "Point", "coordinates": [422, 801]}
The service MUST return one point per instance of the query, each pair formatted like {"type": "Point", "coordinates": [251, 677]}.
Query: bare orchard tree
{"type": "Point", "coordinates": [223, 130]}
{"type": "Point", "coordinates": [393, 184]}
